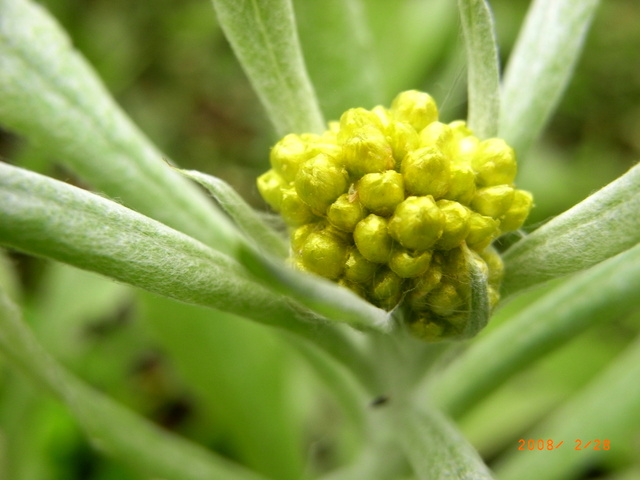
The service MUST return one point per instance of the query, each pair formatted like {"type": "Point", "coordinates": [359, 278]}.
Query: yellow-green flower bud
{"type": "Point", "coordinates": [320, 182]}
{"type": "Point", "coordinates": [324, 253]}
{"type": "Point", "coordinates": [418, 109]}
{"type": "Point", "coordinates": [367, 151]}
{"type": "Point", "coordinates": [495, 265]}
{"type": "Point", "coordinates": [287, 155]}
{"type": "Point", "coordinates": [346, 212]}
{"type": "Point", "coordinates": [300, 234]}
{"type": "Point", "coordinates": [294, 211]}
{"type": "Point", "coordinates": [456, 224]}
{"type": "Point", "coordinates": [381, 192]}
{"type": "Point", "coordinates": [494, 163]}
{"type": "Point", "coordinates": [373, 239]}
{"type": "Point", "coordinates": [383, 115]}
{"type": "Point", "coordinates": [463, 184]}
{"type": "Point", "coordinates": [426, 171]}
{"type": "Point", "coordinates": [460, 130]}
{"type": "Point", "coordinates": [493, 201]}
{"type": "Point", "coordinates": [426, 328]}
{"type": "Point", "coordinates": [439, 135]}
{"type": "Point", "coordinates": [386, 289]}
{"type": "Point", "coordinates": [407, 264]}
{"type": "Point", "coordinates": [388, 203]}
{"type": "Point", "coordinates": [423, 285]}
{"type": "Point", "coordinates": [464, 143]}
{"type": "Point", "coordinates": [444, 300]}
{"type": "Point", "coordinates": [356, 288]}
{"type": "Point", "coordinates": [357, 268]}
{"type": "Point", "coordinates": [482, 231]}
{"type": "Point", "coordinates": [417, 223]}
{"type": "Point", "coordinates": [270, 186]}
{"type": "Point", "coordinates": [518, 211]}
{"type": "Point", "coordinates": [403, 139]}
{"type": "Point", "coordinates": [356, 119]}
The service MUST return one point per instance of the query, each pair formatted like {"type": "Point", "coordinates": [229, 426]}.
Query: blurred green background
{"type": "Point", "coordinates": [167, 63]}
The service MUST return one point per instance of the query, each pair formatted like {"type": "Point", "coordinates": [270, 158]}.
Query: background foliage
{"type": "Point", "coordinates": [248, 393]}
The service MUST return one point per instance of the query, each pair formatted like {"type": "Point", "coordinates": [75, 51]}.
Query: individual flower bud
{"type": "Point", "coordinates": [426, 328]}
{"type": "Point", "coordinates": [346, 212]}
{"type": "Point", "coordinates": [293, 210]}
{"type": "Point", "coordinates": [518, 211]}
{"type": "Point", "coordinates": [495, 265]}
{"type": "Point", "coordinates": [324, 253]}
{"type": "Point", "coordinates": [456, 224]}
{"type": "Point", "coordinates": [463, 184]}
{"type": "Point", "coordinates": [455, 265]}
{"type": "Point", "coordinates": [320, 182]}
{"type": "Point", "coordinates": [356, 119]}
{"type": "Point", "coordinates": [299, 235]}
{"type": "Point", "coordinates": [444, 300]}
{"type": "Point", "coordinates": [287, 155]}
{"type": "Point", "coordinates": [493, 201]}
{"type": "Point", "coordinates": [381, 192]}
{"type": "Point", "coordinates": [426, 171]}
{"type": "Point", "coordinates": [423, 285]}
{"type": "Point", "coordinates": [367, 151]}
{"type": "Point", "coordinates": [330, 149]}
{"type": "Point", "coordinates": [373, 239]}
{"type": "Point", "coordinates": [403, 139]}
{"type": "Point", "coordinates": [439, 135]}
{"type": "Point", "coordinates": [383, 115]}
{"type": "Point", "coordinates": [460, 130]}
{"type": "Point", "coordinates": [356, 288]}
{"type": "Point", "coordinates": [482, 231]}
{"type": "Point", "coordinates": [417, 223]}
{"type": "Point", "coordinates": [464, 143]}
{"type": "Point", "coordinates": [494, 295]}
{"type": "Point", "coordinates": [407, 264]}
{"type": "Point", "coordinates": [270, 186]}
{"type": "Point", "coordinates": [357, 268]}
{"type": "Point", "coordinates": [418, 109]}
{"type": "Point", "coordinates": [386, 289]}
{"type": "Point", "coordinates": [494, 163]}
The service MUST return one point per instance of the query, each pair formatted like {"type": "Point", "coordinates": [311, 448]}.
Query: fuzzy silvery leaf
{"type": "Point", "coordinates": [52, 96]}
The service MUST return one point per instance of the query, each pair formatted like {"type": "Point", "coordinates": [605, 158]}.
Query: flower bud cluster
{"type": "Point", "coordinates": [385, 201]}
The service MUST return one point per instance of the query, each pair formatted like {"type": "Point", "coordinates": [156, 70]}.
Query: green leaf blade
{"type": "Point", "coordinates": [435, 448]}
{"type": "Point", "coordinates": [245, 217]}
{"type": "Point", "coordinates": [263, 36]}
{"type": "Point", "coordinates": [49, 94]}
{"type": "Point", "coordinates": [540, 67]}
{"type": "Point", "coordinates": [606, 223]}
{"type": "Point", "coordinates": [112, 428]}
{"type": "Point", "coordinates": [48, 218]}
{"type": "Point", "coordinates": [483, 69]}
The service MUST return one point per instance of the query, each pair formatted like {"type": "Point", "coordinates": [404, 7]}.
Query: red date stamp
{"type": "Point", "coordinates": [549, 444]}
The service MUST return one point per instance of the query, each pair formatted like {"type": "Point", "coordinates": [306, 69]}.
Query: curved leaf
{"type": "Point", "coordinates": [245, 217]}
{"type": "Point", "coordinates": [606, 223]}
{"type": "Point", "coordinates": [263, 36]}
{"type": "Point", "coordinates": [49, 218]}
{"type": "Point", "coordinates": [49, 94]}
{"type": "Point", "coordinates": [112, 428]}
{"type": "Point", "coordinates": [482, 65]}
{"type": "Point", "coordinates": [436, 449]}
{"type": "Point", "coordinates": [540, 67]}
